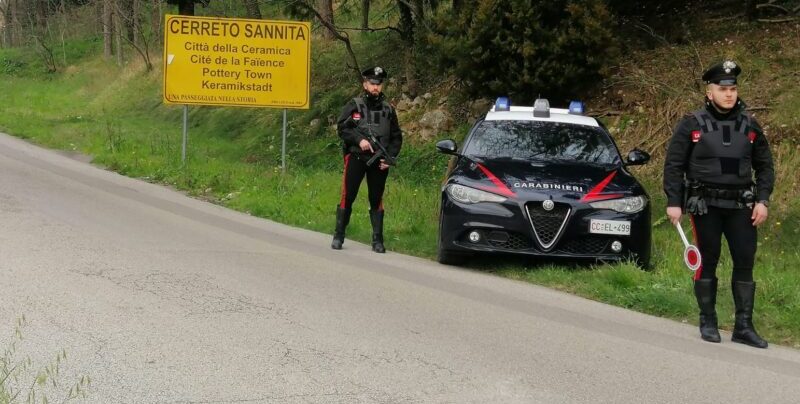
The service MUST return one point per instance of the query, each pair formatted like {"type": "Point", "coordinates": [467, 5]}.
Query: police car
{"type": "Point", "coordinates": [542, 181]}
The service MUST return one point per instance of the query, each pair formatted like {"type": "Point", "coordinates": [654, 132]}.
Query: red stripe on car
{"type": "Point", "coordinates": [596, 193]}
{"type": "Point", "coordinates": [499, 186]}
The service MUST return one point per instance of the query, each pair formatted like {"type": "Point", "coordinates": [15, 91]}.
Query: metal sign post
{"type": "Point", "coordinates": [283, 143]}
{"type": "Point", "coordinates": [185, 133]}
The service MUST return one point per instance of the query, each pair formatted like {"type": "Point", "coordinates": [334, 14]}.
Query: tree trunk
{"type": "Point", "coordinates": [18, 37]}
{"type": "Point", "coordinates": [407, 35]}
{"type": "Point", "coordinates": [326, 11]}
{"type": "Point", "coordinates": [118, 26]}
{"type": "Point", "coordinates": [457, 5]}
{"type": "Point", "coordinates": [751, 10]}
{"type": "Point", "coordinates": [40, 11]}
{"type": "Point", "coordinates": [251, 6]}
{"type": "Point", "coordinates": [136, 22]}
{"type": "Point", "coordinates": [108, 13]}
{"type": "Point", "coordinates": [186, 7]}
{"type": "Point", "coordinates": [123, 10]}
{"type": "Point", "coordinates": [364, 14]}
{"type": "Point", "coordinates": [155, 23]}
{"type": "Point", "coordinates": [8, 24]}
{"type": "Point", "coordinates": [406, 22]}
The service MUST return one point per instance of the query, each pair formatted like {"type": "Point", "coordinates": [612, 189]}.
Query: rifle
{"type": "Point", "coordinates": [377, 147]}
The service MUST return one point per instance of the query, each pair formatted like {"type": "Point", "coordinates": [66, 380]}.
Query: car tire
{"type": "Point", "coordinates": [643, 263]}
{"type": "Point", "coordinates": [444, 256]}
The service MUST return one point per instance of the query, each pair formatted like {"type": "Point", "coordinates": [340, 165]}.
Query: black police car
{"type": "Point", "coordinates": [542, 181]}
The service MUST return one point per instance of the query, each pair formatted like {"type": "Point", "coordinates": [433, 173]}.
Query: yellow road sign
{"type": "Point", "coordinates": [236, 62]}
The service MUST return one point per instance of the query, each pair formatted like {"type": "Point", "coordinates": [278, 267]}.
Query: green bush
{"type": "Point", "coordinates": [527, 48]}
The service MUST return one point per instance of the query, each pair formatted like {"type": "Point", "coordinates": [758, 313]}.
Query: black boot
{"type": "Point", "coordinates": [743, 330]}
{"type": "Point", "coordinates": [376, 217]}
{"type": "Point", "coordinates": [342, 220]}
{"type": "Point", "coordinates": [705, 290]}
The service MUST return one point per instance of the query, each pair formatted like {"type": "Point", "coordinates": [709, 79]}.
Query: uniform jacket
{"type": "Point", "coordinates": [682, 145]}
{"type": "Point", "coordinates": [351, 134]}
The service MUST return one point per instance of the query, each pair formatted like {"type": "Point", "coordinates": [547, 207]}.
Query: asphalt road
{"type": "Point", "coordinates": [160, 298]}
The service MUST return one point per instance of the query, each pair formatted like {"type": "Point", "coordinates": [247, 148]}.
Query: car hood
{"type": "Point", "coordinates": [544, 180]}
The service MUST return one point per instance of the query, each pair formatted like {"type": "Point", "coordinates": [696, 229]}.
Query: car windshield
{"type": "Point", "coordinates": [539, 140]}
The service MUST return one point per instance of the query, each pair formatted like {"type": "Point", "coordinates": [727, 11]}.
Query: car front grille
{"type": "Point", "coordinates": [547, 225]}
{"type": "Point", "coordinates": [584, 246]}
{"type": "Point", "coordinates": [508, 241]}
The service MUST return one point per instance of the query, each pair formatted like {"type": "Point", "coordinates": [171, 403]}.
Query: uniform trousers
{"type": "Point", "coordinates": [355, 168]}
{"type": "Point", "coordinates": [741, 235]}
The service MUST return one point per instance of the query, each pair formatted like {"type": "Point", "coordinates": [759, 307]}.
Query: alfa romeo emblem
{"type": "Point", "coordinates": [548, 205]}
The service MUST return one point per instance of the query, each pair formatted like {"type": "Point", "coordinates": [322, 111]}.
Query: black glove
{"type": "Point", "coordinates": [696, 205]}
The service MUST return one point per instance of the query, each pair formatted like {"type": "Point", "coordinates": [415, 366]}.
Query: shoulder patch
{"type": "Point", "coordinates": [696, 134]}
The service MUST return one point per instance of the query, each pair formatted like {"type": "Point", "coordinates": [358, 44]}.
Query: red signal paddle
{"type": "Point", "coordinates": [691, 255]}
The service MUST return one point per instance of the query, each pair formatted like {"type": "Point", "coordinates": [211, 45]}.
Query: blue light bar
{"type": "Point", "coordinates": [502, 104]}
{"type": "Point", "coordinates": [576, 107]}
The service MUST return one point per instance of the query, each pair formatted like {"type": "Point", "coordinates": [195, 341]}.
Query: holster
{"type": "Point", "coordinates": [693, 198]}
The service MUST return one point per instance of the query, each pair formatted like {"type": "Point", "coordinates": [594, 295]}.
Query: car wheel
{"type": "Point", "coordinates": [444, 256]}
{"type": "Point", "coordinates": [643, 262]}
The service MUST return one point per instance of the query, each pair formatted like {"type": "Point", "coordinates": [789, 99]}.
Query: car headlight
{"type": "Point", "coordinates": [464, 194]}
{"type": "Point", "coordinates": [631, 204]}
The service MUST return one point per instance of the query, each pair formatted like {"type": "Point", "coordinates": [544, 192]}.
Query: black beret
{"type": "Point", "coordinates": [723, 73]}
{"type": "Point", "coordinates": [374, 75]}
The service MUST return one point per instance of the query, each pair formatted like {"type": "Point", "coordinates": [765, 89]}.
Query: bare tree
{"type": "Point", "coordinates": [326, 14]}
{"type": "Point", "coordinates": [108, 12]}
{"type": "Point", "coordinates": [136, 21]}
{"type": "Point", "coordinates": [117, 22]}
{"type": "Point", "coordinates": [17, 32]}
{"type": "Point", "coordinates": [336, 32]}
{"type": "Point", "coordinates": [155, 20]}
{"type": "Point", "coordinates": [40, 12]}
{"type": "Point", "coordinates": [407, 25]}
{"type": "Point", "coordinates": [141, 46]}
{"type": "Point", "coordinates": [8, 27]}
{"type": "Point", "coordinates": [253, 11]}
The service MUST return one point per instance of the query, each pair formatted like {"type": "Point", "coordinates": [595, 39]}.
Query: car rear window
{"type": "Point", "coordinates": [539, 140]}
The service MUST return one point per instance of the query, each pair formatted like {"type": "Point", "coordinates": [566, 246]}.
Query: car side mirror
{"type": "Point", "coordinates": [637, 157]}
{"type": "Point", "coordinates": [447, 146]}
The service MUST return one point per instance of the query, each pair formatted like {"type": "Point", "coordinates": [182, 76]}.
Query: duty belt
{"type": "Point", "coordinates": [743, 195]}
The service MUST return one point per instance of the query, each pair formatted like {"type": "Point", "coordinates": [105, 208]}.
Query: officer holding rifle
{"type": "Point", "coordinates": [371, 140]}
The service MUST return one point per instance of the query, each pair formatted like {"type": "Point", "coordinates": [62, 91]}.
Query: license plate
{"type": "Point", "coordinates": [619, 227]}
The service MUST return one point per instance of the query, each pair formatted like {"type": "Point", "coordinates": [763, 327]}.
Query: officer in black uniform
{"type": "Point", "coordinates": [368, 113]}
{"type": "Point", "coordinates": [712, 160]}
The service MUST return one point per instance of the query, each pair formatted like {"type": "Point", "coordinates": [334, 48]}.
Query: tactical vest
{"type": "Point", "coordinates": [378, 122]}
{"type": "Point", "coordinates": [722, 150]}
